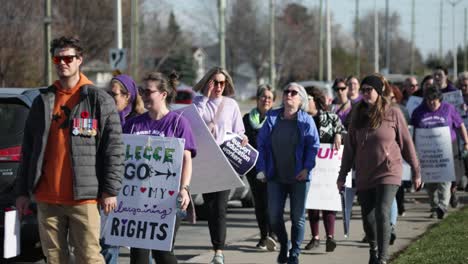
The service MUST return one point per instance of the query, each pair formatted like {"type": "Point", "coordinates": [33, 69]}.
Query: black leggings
{"type": "Point", "coordinates": [141, 256]}
{"type": "Point", "coordinates": [375, 208]}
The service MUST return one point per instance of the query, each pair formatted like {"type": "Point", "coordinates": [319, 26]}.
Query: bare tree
{"type": "Point", "coordinates": [20, 54]}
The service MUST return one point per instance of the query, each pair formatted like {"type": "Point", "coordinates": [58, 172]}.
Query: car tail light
{"type": "Point", "coordinates": [10, 154]}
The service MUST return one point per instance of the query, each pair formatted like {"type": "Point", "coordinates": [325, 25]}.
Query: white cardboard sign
{"type": "Point", "coordinates": [12, 235]}
{"type": "Point", "coordinates": [146, 205]}
{"type": "Point", "coordinates": [323, 193]}
{"type": "Point", "coordinates": [434, 149]}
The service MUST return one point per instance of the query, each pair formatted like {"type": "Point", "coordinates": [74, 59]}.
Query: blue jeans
{"type": "Point", "coordinates": [110, 253]}
{"type": "Point", "coordinates": [277, 195]}
{"type": "Point", "coordinates": [394, 213]}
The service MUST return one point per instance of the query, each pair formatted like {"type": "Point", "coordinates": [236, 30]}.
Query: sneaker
{"type": "Point", "coordinates": [261, 244]}
{"type": "Point", "coordinates": [330, 244]}
{"type": "Point", "coordinates": [433, 214]}
{"type": "Point", "coordinates": [283, 257]}
{"type": "Point", "coordinates": [270, 244]}
{"type": "Point", "coordinates": [313, 244]}
{"type": "Point", "coordinates": [403, 213]}
{"type": "Point", "coordinates": [218, 258]}
{"type": "Point", "coordinates": [364, 240]}
{"type": "Point", "coordinates": [454, 200]}
{"type": "Point", "coordinates": [440, 213]}
{"type": "Point", "coordinates": [293, 259]}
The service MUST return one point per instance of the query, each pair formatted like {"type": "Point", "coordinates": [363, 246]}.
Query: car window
{"type": "Point", "coordinates": [13, 115]}
{"type": "Point", "coordinates": [183, 96]}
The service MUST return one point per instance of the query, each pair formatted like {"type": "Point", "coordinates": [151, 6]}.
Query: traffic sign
{"type": "Point", "coordinates": [118, 59]}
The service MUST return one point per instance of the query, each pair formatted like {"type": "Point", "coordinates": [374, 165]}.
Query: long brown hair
{"type": "Point", "coordinates": [364, 115]}
{"type": "Point", "coordinates": [229, 89]}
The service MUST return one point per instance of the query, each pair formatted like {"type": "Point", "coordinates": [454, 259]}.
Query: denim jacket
{"type": "Point", "coordinates": [306, 150]}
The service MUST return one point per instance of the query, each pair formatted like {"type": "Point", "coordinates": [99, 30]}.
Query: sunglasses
{"type": "Point", "coordinates": [67, 59]}
{"type": "Point", "coordinates": [340, 88]}
{"type": "Point", "coordinates": [292, 92]}
{"type": "Point", "coordinates": [215, 82]}
{"type": "Point", "coordinates": [366, 90]}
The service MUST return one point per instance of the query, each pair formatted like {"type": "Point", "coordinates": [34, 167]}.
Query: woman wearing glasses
{"type": "Point", "coordinates": [330, 128]}
{"type": "Point", "coordinates": [378, 139]}
{"type": "Point", "coordinates": [353, 93]}
{"type": "Point", "coordinates": [222, 115]}
{"type": "Point", "coordinates": [129, 104]}
{"type": "Point", "coordinates": [158, 93]}
{"type": "Point", "coordinates": [341, 105]}
{"type": "Point", "coordinates": [253, 121]}
{"type": "Point", "coordinates": [288, 143]}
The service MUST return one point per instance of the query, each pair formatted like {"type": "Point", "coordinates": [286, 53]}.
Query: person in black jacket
{"type": "Point", "coordinates": [72, 159]}
{"type": "Point", "coordinates": [253, 121]}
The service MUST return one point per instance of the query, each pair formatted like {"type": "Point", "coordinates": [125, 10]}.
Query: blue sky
{"type": "Point", "coordinates": [427, 14]}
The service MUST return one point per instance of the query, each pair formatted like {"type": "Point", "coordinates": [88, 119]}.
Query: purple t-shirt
{"type": "Point", "coordinates": [446, 115]}
{"type": "Point", "coordinates": [171, 125]}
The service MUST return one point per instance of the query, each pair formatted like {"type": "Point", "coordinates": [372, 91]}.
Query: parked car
{"type": "Point", "coordinates": [14, 109]}
{"type": "Point", "coordinates": [184, 96]}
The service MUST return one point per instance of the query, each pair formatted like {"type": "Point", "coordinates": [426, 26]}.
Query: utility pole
{"type": "Point", "coordinates": [376, 38]}
{"type": "Point", "coordinates": [321, 41]}
{"type": "Point", "coordinates": [440, 30]}
{"type": "Point", "coordinates": [329, 58]}
{"type": "Point", "coordinates": [464, 45]}
{"type": "Point", "coordinates": [357, 39]}
{"type": "Point", "coordinates": [413, 24]}
{"type": "Point", "coordinates": [387, 38]}
{"type": "Point", "coordinates": [118, 23]}
{"type": "Point", "coordinates": [455, 63]}
{"type": "Point", "coordinates": [135, 35]}
{"type": "Point", "coordinates": [222, 33]}
{"type": "Point", "coordinates": [47, 39]}
{"type": "Point", "coordinates": [272, 45]}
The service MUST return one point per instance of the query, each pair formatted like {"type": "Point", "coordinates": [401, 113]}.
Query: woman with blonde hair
{"type": "Point", "coordinates": [222, 115]}
{"type": "Point", "coordinates": [378, 140]}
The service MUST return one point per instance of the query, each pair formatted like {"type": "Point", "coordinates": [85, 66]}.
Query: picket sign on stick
{"type": "Point", "coordinates": [434, 147]}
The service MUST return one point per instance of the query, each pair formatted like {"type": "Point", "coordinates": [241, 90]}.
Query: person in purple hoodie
{"type": "Point", "coordinates": [123, 90]}
{"type": "Point", "coordinates": [158, 92]}
{"type": "Point", "coordinates": [127, 100]}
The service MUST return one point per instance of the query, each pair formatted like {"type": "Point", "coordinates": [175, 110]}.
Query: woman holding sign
{"type": "Point", "coordinates": [434, 113]}
{"type": "Point", "coordinates": [222, 115]}
{"type": "Point", "coordinates": [158, 93]}
{"type": "Point", "coordinates": [378, 139]}
{"type": "Point", "coordinates": [253, 121]}
{"type": "Point", "coordinates": [288, 143]}
{"type": "Point", "coordinates": [330, 128]}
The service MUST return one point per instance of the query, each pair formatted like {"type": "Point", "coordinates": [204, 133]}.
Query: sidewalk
{"type": "Point", "coordinates": [410, 227]}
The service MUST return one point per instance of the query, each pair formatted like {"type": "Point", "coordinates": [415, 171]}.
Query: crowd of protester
{"type": "Point", "coordinates": [368, 117]}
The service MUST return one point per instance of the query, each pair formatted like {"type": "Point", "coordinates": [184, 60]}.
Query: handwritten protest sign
{"type": "Point", "coordinates": [455, 98]}
{"type": "Point", "coordinates": [413, 102]}
{"type": "Point", "coordinates": [146, 205]}
{"type": "Point", "coordinates": [242, 158]}
{"type": "Point", "coordinates": [323, 193]}
{"type": "Point", "coordinates": [434, 149]}
{"type": "Point", "coordinates": [210, 165]}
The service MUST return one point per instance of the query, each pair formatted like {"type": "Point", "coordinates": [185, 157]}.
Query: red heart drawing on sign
{"type": "Point", "coordinates": [171, 193]}
{"type": "Point", "coordinates": [142, 189]}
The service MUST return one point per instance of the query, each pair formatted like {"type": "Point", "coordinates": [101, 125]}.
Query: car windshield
{"type": "Point", "coordinates": [13, 115]}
